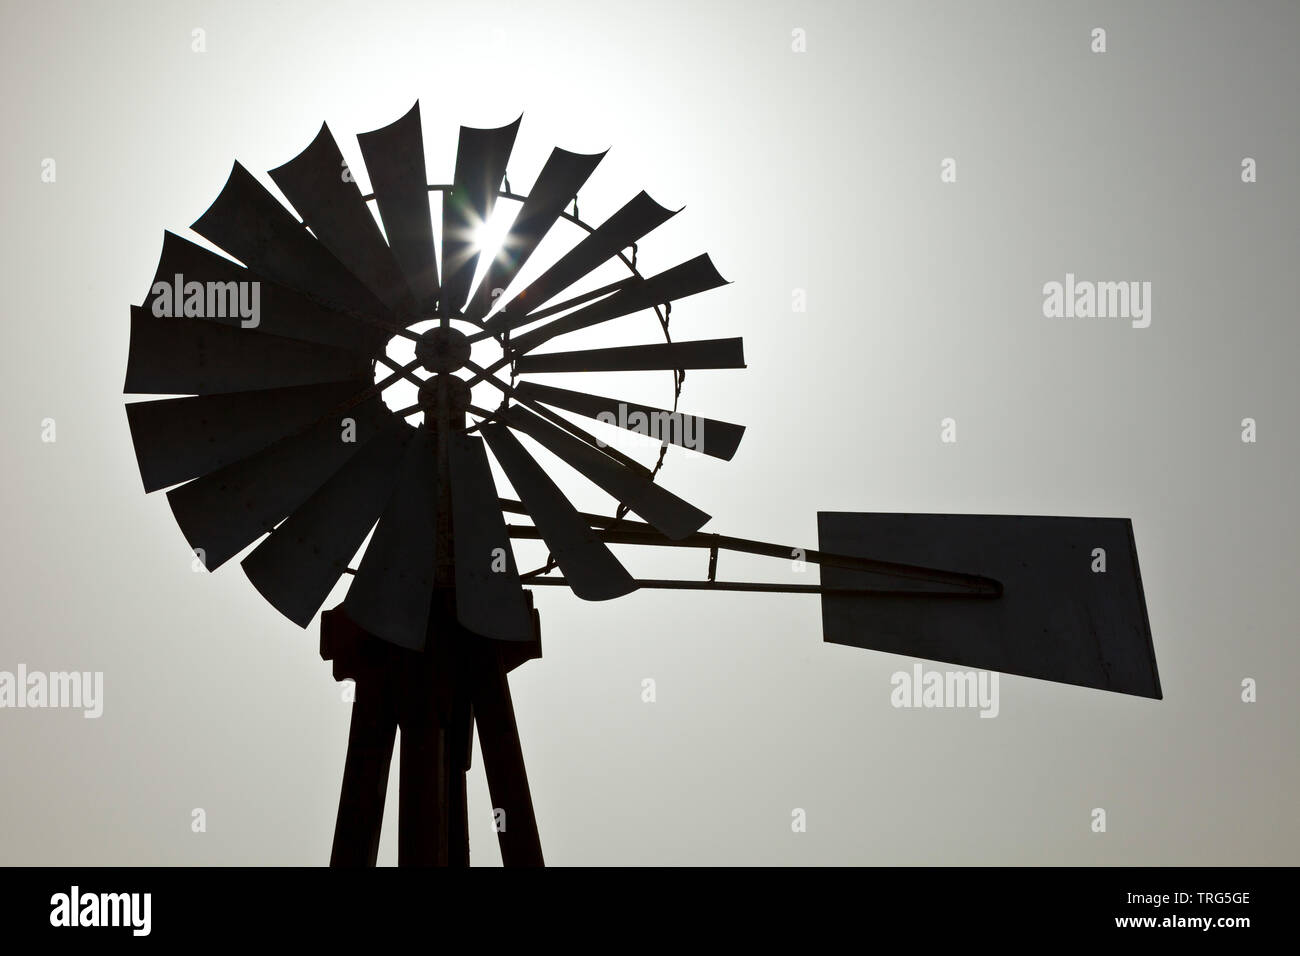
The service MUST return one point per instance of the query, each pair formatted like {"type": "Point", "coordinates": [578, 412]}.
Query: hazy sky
{"type": "Point", "coordinates": [817, 171]}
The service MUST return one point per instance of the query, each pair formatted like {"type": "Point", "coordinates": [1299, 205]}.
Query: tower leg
{"type": "Point", "coordinates": [365, 777]}
{"type": "Point", "coordinates": [423, 794]}
{"type": "Point", "coordinates": [436, 722]}
{"type": "Point", "coordinates": [435, 697]}
{"type": "Point", "coordinates": [503, 760]}
{"type": "Point", "coordinates": [462, 750]}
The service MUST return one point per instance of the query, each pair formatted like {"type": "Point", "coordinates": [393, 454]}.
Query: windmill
{"type": "Point", "coordinates": [282, 437]}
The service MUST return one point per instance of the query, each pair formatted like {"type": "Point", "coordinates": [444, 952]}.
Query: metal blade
{"type": "Point", "coordinates": [175, 356]}
{"type": "Point", "coordinates": [695, 432]}
{"type": "Point", "coordinates": [671, 515]}
{"type": "Point", "coordinates": [638, 217]}
{"type": "Point", "coordinates": [280, 310]}
{"type": "Point", "coordinates": [300, 562]}
{"type": "Point", "coordinates": [689, 278]}
{"type": "Point", "coordinates": [177, 439]}
{"type": "Point", "coordinates": [593, 572]}
{"type": "Point", "coordinates": [481, 158]}
{"type": "Point", "coordinates": [489, 597]}
{"type": "Point", "coordinates": [333, 209]}
{"type": "Point", "coordinates": [393, 587]}
{"type": "Point", "coordinates": [706, 353]}
{"type": "Point", "coordinates": [227, 510]}
{"type": "Point", "coordinates": [248, 222]}
{"type": "Point", "coordinates": [559, 181]}
{"type": "Point", "coordinates": [1057, 619]}
{"type": "Point", "coordinates": [394, 159]}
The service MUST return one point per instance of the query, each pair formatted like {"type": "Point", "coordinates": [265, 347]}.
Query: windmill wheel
{"type": "Point", "coordinates": [283, 430]}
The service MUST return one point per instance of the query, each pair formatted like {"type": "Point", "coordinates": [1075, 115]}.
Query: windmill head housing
{"type": "Point", "coordinates": [286, 442]}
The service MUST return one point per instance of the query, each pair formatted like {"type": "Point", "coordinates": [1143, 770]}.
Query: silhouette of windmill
{"type": "Point", "coordinates": [283, 435]}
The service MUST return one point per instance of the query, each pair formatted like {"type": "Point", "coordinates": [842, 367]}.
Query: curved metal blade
{"type": "Point", "coordinates": [663, 509]}
{"type": "Point", "coordinates": [393, 587]}
{"type": "Point", "coordinates": [248, 222]}
{"type": "Point", "coordinates": [481, 158]}
{"type": "Point", "coordinates": [333, 209]}
{"type": "Point", "coordinates": [227, 510]}
{"type": "Point", "coordinates": [394, 157]}
{"type": "Point", "coordinates": [593, 572]}
{"type": "Point", "coordinates": [489, 598]}
{"type": "Point", "coordinates": [298, 564]}
{"type": "Point", "coordinates": [705, 353]}
{"type": "Point", "coordinates": [638, 216]}
{"type": "Point", "coordinates": [708, 436]}
{"type": "Point", "coordinates": [176, 356]}
{"type": "Point", "coordinates": [558, 182]}
{"type": "Point", "coordinates": [280, 310]}
{"type": "Point", "coordinates": [177, 439]}
{"type": "Point", "coordinates": [695, 275]}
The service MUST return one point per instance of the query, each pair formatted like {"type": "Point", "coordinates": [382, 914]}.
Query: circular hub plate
{"type": "Point", "coordinates": [442, 350]}
{"type": "Point", "coordinates": [459, 394]}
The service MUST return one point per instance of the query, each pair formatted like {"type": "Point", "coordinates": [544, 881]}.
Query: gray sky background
{"type": "Point", "coordinates": [815, 171]}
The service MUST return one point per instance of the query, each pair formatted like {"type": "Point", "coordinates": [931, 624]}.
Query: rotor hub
{"type": "Point", "coordinates": [458, 394]}
{"type": "Point", "coordinates": [443, 350]}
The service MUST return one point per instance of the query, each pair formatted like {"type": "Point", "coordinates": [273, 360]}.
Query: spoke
{"type": "Point", "coordinates": [570, 427]}
{"type": "Point", "coordinates": [383, 383]}
{"type": "Point", "coordinates": [403, 371]}
{"type": "Point", "coordinates": [482, 374]}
